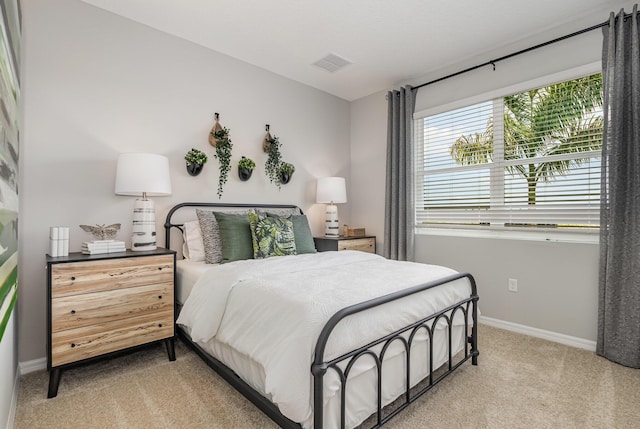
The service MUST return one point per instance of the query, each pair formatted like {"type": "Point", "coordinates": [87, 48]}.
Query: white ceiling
{"type": "Point", "coordinates": [388, 41]}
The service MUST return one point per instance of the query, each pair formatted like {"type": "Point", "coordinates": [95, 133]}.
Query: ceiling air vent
{"type": "Point", "coordinates": [331, 63]}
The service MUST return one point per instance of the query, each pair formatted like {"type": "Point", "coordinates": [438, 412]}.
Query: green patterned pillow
{"type": "Point", "coordinates": [302, 233]}
{"type": "Point", "coordinates": [272, 236]}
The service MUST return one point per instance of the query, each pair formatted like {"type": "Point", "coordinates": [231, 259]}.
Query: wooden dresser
{"type": "Point", "coordinates": [101, 304]}
{"type": "Point", "coordinates": [364, 244]}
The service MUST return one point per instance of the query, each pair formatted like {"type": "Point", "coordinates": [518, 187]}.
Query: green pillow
{"type": "Point", "coordinates": [302, 233]}
{"type": "Point", "coordinates": [272, 236]}
{"type": "Point", "coordinates": [235, 234]}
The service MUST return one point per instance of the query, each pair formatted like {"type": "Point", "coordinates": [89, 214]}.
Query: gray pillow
{"type": "Point", "coordinates": [210, 236]}
{"type": "Point", "coordinates": [282, 212]}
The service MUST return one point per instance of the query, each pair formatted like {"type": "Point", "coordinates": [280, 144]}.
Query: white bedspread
{"type": "Point", "coordinates": [273, 310]}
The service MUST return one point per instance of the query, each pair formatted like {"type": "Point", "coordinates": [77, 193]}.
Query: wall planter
{"type": "Point", "coordinates": [219, 138]}
{"type": "Point", "coordinates": [194, 169]}
{"type": "Point", "coordinates": [245, 168]}
{"type": "Point", "coordinates": [285, 171]}
{"type": "Point", "coordinates": [271, 145]}
{"type": "Point", "coordinates": [195, 159]}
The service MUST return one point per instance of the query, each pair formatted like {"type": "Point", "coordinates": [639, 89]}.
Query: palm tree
{"type": "Point", "coordinates": [554, 120]}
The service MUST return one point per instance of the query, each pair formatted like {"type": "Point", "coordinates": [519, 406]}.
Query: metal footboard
{"type": "Point", "coordinates": [320, 367]}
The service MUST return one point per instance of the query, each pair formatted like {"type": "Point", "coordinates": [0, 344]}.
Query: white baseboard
{"type": "Point", "coordinates": [568, 340]}
{"type": "Point", "coordinates": [32, 366]}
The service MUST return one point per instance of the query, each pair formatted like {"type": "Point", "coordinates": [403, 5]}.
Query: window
{"type": "Point", "coordinates": [530, 160]}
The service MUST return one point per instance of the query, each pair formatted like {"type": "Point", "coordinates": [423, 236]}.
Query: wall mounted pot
{"type": "Point", "coordinates": [285, 178]}
{"type": "Point", "coordinates": [244, 174]}
{"type": "Point", "coordinates": [194, 169]}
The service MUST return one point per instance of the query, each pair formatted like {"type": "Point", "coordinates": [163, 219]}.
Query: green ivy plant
{"type": "Point", "coordinates": [274, 159]}
{"type": "Point", "coordinates": [223, 155]}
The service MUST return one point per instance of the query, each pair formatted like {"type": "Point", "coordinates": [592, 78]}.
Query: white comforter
{"type": "Point", "coordinates": [273, 310]}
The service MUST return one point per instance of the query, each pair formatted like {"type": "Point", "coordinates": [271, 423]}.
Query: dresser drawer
{"type": "Point", "coordinates": [362, 244]}
{"type": "Point", "coordinates": [75, 311]}
{"type": "Point", "coordinates": [89, 341]}
{"type": "Point", "coordinates": [109, 274]}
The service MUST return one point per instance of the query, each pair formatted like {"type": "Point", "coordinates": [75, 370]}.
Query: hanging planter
{"type": "Point", "coordinates": [271, 145]}
{"type": "Point", "coordinates": [195, 160]}
{"type": "Point", "coordinates": [245, 168]}
{"type": "Point", "coordinates": [285, 171]}
{"type": "Point", "coordinates": [219, 138]}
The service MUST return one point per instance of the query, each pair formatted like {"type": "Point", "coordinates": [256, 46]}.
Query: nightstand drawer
{"type": "Point", "coordinates": [75, 311]}
{"type": "Point", "coordinates": [109, 274]}
{"type": "Point", "coordinates": [362, 244]}
{"type": "Point", "coordinates": [86, 342]}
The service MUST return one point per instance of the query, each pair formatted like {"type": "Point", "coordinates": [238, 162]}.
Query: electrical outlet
{"type": "Point", "coordinates": [513, 285]}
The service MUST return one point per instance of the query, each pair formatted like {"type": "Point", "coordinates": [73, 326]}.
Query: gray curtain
{"type": "Point", "coordinates": [619, 282]}
{"type": "Point", "coordinates": [399, 215]}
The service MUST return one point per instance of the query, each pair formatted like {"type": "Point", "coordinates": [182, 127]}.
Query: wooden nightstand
{"type": "Point", "coordinates": [366, 243]}
{"type": "Point", "coordinates": [101, 304]}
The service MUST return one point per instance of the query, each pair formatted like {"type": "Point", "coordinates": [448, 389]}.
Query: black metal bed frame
{"type": "Point", "coordinates": [406, 335]}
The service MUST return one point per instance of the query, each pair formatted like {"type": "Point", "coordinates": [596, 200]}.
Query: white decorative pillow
{"type": "Point", "coordinates": [193, 247]}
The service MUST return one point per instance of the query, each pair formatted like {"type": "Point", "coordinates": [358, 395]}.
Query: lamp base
{"type": "Point", "coordinates": [332, 225]}
{"type": "Point", "coordinates": [144, 226]}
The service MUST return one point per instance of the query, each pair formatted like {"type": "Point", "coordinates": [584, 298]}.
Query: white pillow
{"type": "Point", "coordinates": [193, 247]}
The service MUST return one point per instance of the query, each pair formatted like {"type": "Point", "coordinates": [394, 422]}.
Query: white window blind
{"type": "Point", "coordinates": [528, 160]}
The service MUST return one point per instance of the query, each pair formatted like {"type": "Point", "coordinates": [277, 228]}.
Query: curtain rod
{"type": "Point", "coordinates": [493, 62]}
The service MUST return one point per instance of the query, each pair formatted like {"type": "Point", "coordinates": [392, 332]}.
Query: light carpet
{"type": "Point", "coordinates": [520, 382]}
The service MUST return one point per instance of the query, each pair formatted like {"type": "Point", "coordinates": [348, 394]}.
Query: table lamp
{"type": "Point", "coordinates": [331, 190]}
{"type": "Point", "coordinates": [143, 175]}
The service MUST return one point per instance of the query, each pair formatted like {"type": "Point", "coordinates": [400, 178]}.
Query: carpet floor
{"type": "Point", "coordinates": [520, 382]}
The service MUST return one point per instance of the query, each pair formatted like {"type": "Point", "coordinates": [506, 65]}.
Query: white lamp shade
{"type": "Point", "coordinates": [331, 190]}
{"type": "Point", "coordinates": [143, 173]}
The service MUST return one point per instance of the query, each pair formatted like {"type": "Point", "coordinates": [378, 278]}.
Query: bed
{"type": "Point", "coordinates": [322, 340]}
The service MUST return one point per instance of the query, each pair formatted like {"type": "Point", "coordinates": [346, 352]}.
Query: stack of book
{"type": "Point", "coordinates": [102, 246]}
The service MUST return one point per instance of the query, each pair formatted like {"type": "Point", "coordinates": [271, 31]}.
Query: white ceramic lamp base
{"type": "Point", "coordinates": [144, 226]}
{"type": "Point", "coordinates": [332, 225]}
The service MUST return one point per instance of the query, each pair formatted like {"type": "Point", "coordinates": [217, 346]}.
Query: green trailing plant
{"type": "Point", "coordinates": [246, 164]}
{"type": "Point", "coordinates": [223, 155]}
{"type": "Point", "coordinates": [195, 156]}
{"type": "Point", "coordinates": [274, 159]}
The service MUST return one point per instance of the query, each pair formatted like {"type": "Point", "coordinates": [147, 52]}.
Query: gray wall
{"type": "Point", "coordinates": [96, 85]}
{"type": "Point", "coordinates": [557, 280]}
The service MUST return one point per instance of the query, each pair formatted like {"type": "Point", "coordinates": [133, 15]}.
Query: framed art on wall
{"type": "Point", "coordinates": [9, 149]}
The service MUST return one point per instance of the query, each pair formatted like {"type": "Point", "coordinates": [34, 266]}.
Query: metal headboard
{"type": "Point", "coordinates": [169, 225]}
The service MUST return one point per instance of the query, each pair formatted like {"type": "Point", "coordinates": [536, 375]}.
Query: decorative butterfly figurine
{"type": "Point", "coordinates": [102, 232]}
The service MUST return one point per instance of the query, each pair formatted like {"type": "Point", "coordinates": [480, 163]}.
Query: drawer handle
{"type": "Point", "coordinates": [159, 296]}
{"type": "Point", "coordinates": [73, 345]}
{"type": "Point", "coordinates": [159, 325]}
{"type": "Point", "coordinates": [73, 277]}
{"type": "Point", "coordinates": [159, 268]}
{"type": "Point", "coordinates": [73, 312]}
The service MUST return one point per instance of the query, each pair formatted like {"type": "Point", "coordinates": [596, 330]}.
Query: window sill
{"type": "Point", "coordinates": [549, 236]}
